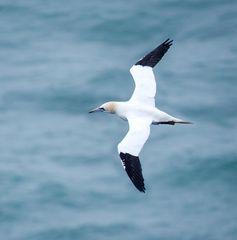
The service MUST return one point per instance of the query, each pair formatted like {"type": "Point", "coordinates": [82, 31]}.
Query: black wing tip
{"type": "Point", "coordinates": [152, 58]}
{"type": "Point", "coordinates": [142, 190]}
{"type": "Point", "coordinates": [168, 40]}
{"type": "Point", "coordinates": [133, 168]}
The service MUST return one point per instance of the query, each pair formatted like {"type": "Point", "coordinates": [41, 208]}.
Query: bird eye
{"type": "Point", "coordinates": [102, 109]}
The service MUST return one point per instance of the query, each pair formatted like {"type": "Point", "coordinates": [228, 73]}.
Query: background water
{"type": "Point", "coordinates": [60, 175]}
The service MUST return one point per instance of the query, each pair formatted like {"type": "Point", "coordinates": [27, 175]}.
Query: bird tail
{"type": "Point", "coordinates": [172, 121]}
{"type": "Point", "coordinates": [183, 122]}
{"type": "Point", "coordinates": [177, 120]}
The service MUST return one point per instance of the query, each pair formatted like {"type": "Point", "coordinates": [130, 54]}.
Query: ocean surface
{"type": "Point", "coordinates": [60, 174]}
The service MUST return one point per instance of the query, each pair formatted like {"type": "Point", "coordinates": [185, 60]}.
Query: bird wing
{"type": "Point", "coordinates": [145, 83]}
{"type": "Point", "coordinates": [130, 147]}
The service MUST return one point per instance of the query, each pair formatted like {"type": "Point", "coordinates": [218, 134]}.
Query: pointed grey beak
{"type": "Point", "coordinates": [97, 110]}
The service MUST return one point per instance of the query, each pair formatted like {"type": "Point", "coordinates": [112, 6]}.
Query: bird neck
{"type": "Point", "coordinates": [121, 109]}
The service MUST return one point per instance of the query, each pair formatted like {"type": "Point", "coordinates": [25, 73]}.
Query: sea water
{"type": "Point", "coordinates": [60, 173]}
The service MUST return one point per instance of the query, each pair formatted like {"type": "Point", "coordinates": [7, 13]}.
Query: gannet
{"type": "Point", "coordinates": [140, 112]}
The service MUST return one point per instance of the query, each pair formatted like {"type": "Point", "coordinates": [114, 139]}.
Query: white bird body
{"type": "Point", "coordinates": [133, 109]}
{"type": "Point", "coordinates": [140, 112]}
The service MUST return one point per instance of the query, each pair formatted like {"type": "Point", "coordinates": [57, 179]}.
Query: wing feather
{"type": "Point", "coordinates": [152, 58]}
{"type": "Point", "coordinates": [130, 147]}
{"type": "Point", "coordinates": [139, 131]}
{"type": "Point", "coordinates": [145, 83]}
{"type": "Point", "coordinates": [133, 168]}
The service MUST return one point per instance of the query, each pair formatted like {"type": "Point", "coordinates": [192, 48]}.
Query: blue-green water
{"type": "Point", "coordinates": [60, 174]}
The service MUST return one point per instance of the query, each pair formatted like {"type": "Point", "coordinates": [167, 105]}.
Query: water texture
{"type": "Point", "coordinates": [60, 174]}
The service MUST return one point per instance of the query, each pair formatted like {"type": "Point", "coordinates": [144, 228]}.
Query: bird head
{"type": "Point", "coordinates": [109, 107]}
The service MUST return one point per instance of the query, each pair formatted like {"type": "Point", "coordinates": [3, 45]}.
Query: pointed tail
{"type": "Point", "coordinates": [184, 122]}
{"type": "Point", "coordinates": [177, 120]}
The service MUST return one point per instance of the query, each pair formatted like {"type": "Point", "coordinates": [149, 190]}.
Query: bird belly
{"type": "Point", "coordinates": [135, 110]}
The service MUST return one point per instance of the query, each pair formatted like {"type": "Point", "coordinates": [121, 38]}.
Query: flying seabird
{"type": "Point", "coordinates": [140, 112]}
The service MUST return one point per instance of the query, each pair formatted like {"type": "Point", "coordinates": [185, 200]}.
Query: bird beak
{"type": "Point", "coordinates": [96, 110]}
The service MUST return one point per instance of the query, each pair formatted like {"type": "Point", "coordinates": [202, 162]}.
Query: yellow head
{"type": "Point", "coordinates": [109, 107]}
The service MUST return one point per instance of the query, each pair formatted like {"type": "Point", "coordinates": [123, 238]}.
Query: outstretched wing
{"type": "Point", "coordinates": [130, 147]}
{"type": "Point", "coordinates": [145, 83]}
